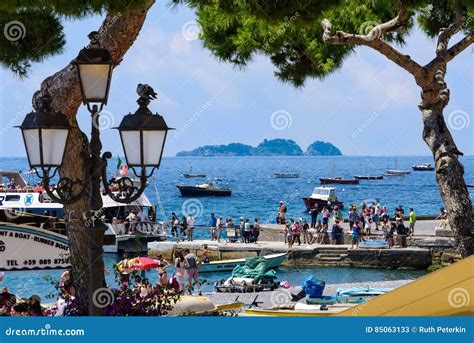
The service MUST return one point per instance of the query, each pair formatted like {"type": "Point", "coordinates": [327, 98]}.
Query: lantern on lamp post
{"type": "Point", "coordinates": [143, 135]}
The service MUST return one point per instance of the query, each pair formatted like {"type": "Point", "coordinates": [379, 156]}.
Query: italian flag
{"type": "Point", "coordinates": [123, 168]}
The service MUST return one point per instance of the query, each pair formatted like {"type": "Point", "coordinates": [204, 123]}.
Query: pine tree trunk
{"type": "Point", "coordinates": [449, 170]}
{"type": "Point", "coordinates": [117, 33]}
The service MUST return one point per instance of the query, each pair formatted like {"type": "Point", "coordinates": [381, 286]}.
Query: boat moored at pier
{"type": "Point", "coordinates": [323, 197]}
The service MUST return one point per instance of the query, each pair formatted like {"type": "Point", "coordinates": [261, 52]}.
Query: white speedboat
{"type": "Point", "coordinates": [33, 234]}
{"type": "Point", "coordinates": [274, 261]}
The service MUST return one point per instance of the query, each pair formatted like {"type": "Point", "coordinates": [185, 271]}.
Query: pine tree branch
{"type": "Point", "coordinates": [374, 40]}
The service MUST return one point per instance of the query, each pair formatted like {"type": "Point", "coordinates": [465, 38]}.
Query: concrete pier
{"type": "Point", "coordinates": [426, 246]}
{"type": "Point", "coordinates": [304, 255]}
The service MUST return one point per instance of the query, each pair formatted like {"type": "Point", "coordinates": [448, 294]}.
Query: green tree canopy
{"type": "Point", "coordinates": [32, 30]}
{"type": "Point", "coordinates": [291, 34]}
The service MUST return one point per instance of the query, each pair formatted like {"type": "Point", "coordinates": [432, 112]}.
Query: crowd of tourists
{"type": "Point", "coordinates": [245, 231]}
{"type": "Point", "coordinates": [325, 226]}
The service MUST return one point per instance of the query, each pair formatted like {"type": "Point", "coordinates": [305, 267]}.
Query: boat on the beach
{"type": "Point", "coordinates": [204, 189]}
{"type": "Point", "coordinates": [356, 295]}
{"type": "Point", "coordinates": [274, 261]}
{"type": "Point", "coordinates": [338, 180]}
{"type": "Point", "coordinates": [193, 175]}
{"type": "Point", "coordinates": [423, 167]}
{"type": "Point", "coordinates": [286, 175]}
{"type": "Point", "coordinates": [299, 310]}
{"type": "Point", "coordinates": [323, 197]}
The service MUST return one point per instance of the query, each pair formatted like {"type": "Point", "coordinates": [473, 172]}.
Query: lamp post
{"type": "Point", "coordinates": [143, 136]}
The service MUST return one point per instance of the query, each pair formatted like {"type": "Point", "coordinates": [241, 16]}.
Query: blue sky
{"type": "Point", "coordinates": [368, 107]}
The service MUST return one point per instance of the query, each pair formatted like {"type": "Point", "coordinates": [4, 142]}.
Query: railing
{"type": "Point", "coordinates": [144, 228]}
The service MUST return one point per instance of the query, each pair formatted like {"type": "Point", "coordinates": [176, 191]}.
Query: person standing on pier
{"type": "Point", "coordinates": [306, 235]}
{"type": "Point", "coordinates": [247, 231]}
{"type": "Point", "coordinates": [355, 234]}
{"type": "Point", "coordinates": [256, 230]}
{"type": "Point", "coordinates": [212, 224]}
{"type": "Point", "coordinates": [314, 215]}
{"type": "Point", "coordinates": [352, 217]}
{"type": "Point", "coordinates": [190, 227]}
{"type": "Point", "coordinates": [183, 225]}
{"type": "Point", "coordinates": [412, 217]}
{"type": "Point", "coordinates": [219, 228]}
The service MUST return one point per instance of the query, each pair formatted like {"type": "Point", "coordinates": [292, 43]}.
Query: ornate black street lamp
{"type": "Point", "coordinates": [143, 136]}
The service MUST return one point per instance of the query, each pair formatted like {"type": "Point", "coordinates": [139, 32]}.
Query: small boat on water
{"type": "Point", "coordinates": [396, 171]}
{"type": "Point", "coordinates": [368, 177]}
{"type": "Point", "coordinates": [286, 175]}
{"type": "Point", "coordinates": [423, 167]}
{"type": "Point", "coordinates": [470, 185]}
{"type": "Point", "coordinates": [338, 180]}
{"type": "Point", "coordinates": [323, 196]}
{"type": "Point", "coordinates": [193, 175]}
{"type": "Point", "coordinates": [274, 261]}
{"type": "Point", "coordinates": [202, 190]}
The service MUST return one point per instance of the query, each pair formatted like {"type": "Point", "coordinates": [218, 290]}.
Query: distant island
{"type": "Point", "coordinates": [269, 147]}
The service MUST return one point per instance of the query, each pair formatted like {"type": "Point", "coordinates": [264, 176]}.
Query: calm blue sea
{"type": "Point", "coordinates": [256, 193]}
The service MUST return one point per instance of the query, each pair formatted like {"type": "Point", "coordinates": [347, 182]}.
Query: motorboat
{"type": "Point", "coordinates": [286, 175]}
{"type": "Point", "coordinates": [368, 177]}
{"type": "Point", "coordinates": [338, 180]}
{"type": "Point", "coordinates": [323, 197]}
{"type": "Point", "coordinates": [205, 189]}
{"type": "Point", "coordinates": [33, 224]}
{"type": "Point", "coordinates": [274, 261]}
{"type": "Point", "coordinates": [423, 167]}
{"type": "Point", "coordinates": [193, 175]}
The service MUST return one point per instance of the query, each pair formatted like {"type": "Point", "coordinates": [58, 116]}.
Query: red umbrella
{"type": "Point", "coordinates": [143, 263]}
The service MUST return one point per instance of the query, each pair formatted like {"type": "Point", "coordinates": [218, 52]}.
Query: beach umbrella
{"type": "Point", "coordinates": [140, 263]}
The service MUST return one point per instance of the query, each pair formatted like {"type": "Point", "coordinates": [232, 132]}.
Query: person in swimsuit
{"type": "Point", "coordinates": [181, 275]}
{"type": "Point", "coordinates": [161, 269]}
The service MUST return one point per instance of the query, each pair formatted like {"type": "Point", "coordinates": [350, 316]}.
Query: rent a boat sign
{"type": "Point", "coordinates": [25, 247]}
